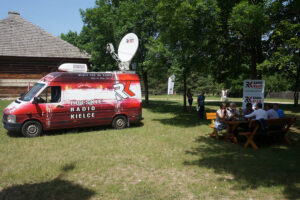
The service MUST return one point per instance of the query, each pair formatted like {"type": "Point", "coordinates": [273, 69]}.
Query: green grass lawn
{"type": "Point", "coordinates": [170, 156]}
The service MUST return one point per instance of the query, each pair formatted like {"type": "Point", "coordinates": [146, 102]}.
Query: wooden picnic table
{"type": "Point", "coordinates": [231, 127]}
{"type": "Point", "coordinates": [275, 126]}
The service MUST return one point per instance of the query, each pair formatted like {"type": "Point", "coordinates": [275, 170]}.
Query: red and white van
{"type": "Point", "coordinates": [63, 100]}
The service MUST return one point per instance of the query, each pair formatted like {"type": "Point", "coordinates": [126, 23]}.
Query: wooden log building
{"type": "Point", "coordinates": [27, 53]}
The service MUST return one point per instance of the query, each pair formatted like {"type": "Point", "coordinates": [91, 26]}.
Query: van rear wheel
{"type": "Point", "coordinates": [119, 122]}
{"type": "Point", "coordinates": [31, 129]}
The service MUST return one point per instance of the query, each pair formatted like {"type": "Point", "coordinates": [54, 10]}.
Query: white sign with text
{"type": "Point", "coordinates": [253, 92]}
{"type": "Point", "coordinates": [171, 82]}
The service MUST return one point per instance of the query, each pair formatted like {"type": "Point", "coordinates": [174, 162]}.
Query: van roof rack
{"type": "Point", "coordinates": [125, 72]}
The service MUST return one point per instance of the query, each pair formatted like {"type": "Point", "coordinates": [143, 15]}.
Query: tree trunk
{"type": "Point", "coordinates": [145, 79]}
{"type": "Point", "coordinates": [260, 56]}
{"type": "Point", "coordinates": [296, 98]}
{"type": "Point", "coordinates": [253, 62]}
{"type": "Point", "coordinates": [184, 90]}
{"type": "Point", "coordinates": [256, 56]}
{"type": "Point", "coordinates": [296, 90]}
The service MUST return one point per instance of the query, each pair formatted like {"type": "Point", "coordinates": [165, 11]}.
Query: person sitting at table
{"type": "Point", "coordinates": [248, 109]}
{"type": "Point", "coordinates": [232, 113]}
{"type": "Point", "coordinates": [278, 110]}
{"type": "Point", "coordinates": [258, 113]}
{"type": "Point", "coordinates": [272, 114]}
{"type": "Point", "coordinates": [220, 117]}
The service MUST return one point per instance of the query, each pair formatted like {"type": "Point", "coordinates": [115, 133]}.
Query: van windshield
{"type": "Point", "coordinates": [32, 92]}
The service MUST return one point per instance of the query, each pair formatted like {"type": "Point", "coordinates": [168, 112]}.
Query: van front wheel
{"type": "Point", "coordinates": [119, 122]}
{"type": "Point", "coordinates": [31, 129]}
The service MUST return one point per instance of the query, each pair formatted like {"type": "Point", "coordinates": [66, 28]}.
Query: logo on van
{"type": "Point", "coordinates": [122, 91]}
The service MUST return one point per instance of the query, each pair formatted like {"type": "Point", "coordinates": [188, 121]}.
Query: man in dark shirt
{"type": "Point", "coordinates": [248, 109]}
{"type": "Point", "coordinates": [201, 99]}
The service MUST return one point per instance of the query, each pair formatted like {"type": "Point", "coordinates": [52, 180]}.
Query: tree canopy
{"type": "Point", "coordinates": [207, 44]}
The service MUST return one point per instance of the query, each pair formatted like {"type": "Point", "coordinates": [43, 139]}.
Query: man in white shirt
{"type": "Point", "coordinates": [258, 113]}
{"type": "Point", "coordinates": [272, 114]}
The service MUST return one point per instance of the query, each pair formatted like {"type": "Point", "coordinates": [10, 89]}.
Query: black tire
{"type": "Point", "coordinates": [119, 122]}
{"type": "Point", "coordinates": [32, 129]}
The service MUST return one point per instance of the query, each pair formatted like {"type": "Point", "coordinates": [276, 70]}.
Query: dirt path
{"type": "Point", "coordinates": [209, 100]}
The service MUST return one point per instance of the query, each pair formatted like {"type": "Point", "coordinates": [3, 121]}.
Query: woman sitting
{"type": "Point", "coordinates": [220, 118]}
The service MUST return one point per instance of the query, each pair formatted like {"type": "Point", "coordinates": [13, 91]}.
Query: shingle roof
{"type": "Point", "coordinates": [19, 37]}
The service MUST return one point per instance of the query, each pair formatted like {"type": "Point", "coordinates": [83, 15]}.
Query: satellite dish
{"type": "Point", "coordinates": [128, 47]}
{"type": "Point", "coordinates": [73, 67]}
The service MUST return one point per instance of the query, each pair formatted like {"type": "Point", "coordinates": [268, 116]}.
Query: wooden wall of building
{"type": "Point", "coordinates": [16, 73]}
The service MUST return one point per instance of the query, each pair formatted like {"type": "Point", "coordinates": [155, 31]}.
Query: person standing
{"type": "Point", "coordinates": [190, 99]}
{"type": "Point", "coordinates": [201, 99]}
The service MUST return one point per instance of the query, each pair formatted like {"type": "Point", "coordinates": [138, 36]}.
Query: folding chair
{"type": "Point", "coordinates": [212, 116]}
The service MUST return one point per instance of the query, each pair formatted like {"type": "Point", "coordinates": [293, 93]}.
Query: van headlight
{"type": "Point", "coordinates": [11, 118]}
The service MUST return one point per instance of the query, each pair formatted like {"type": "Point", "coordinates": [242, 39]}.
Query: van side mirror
{"type": "Point", "coordinates": [21, 94]}
{"type": "Point", "coordinates": [35, 100]}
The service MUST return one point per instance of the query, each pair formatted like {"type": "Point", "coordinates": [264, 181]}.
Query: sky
{"type": "Point", "coordinates": [54, 16]}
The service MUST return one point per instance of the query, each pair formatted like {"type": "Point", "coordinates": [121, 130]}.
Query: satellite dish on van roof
{"type": "Point", "coordinates": [128, 47]}
{"type": "Point", "coordinates": [126, 51]}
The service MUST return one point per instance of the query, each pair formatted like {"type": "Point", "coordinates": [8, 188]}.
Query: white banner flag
{"type": "Point", "coordinates": [171, 82]}
{"type": "Point", "coordinates": [253, 92]}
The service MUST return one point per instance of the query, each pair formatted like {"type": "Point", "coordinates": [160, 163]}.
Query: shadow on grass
{"type": "Point", "coordinates": [74, 130]}
{"type": "Point", "coordinates": [54, 189]}
{"type": "Point", "coordinates": [181, 117]}
{"type": "Point", "coordinates": [267, 167]}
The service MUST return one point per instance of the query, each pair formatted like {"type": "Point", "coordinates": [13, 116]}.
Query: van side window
{"type": "Point", "coordinates": [51, 94]}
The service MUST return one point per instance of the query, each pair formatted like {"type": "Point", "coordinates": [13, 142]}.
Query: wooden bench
{"type": "Point", "coordinates": [281, 126]}
{"type": "Point", "coordinates": [212, 116]}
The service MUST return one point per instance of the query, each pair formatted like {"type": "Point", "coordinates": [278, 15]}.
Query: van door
{"type": "Point", "coordinates": [54, 114]}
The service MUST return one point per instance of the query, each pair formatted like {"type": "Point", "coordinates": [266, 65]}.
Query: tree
{"type": "Point", "coordinates": [284, 43]}
{"type": "Point", "coordinates": [187, 31]}
{"type": "Point", "coordinates": [223, 42]}
{"type": "Point", "coordinates": [286, 57]}
{"type": "Point", "coordinates": [276, 82]}
{"type": "Point", "coordinates": [139, 17]}
{"type": "Point", "coordinates": [99, 30]}
{"type": "Point", "coordinates": [247, 24]}
{"type": "Point", "coordinates": [109, 21]}
{"type": "Point", "coordinates": [71, 37]}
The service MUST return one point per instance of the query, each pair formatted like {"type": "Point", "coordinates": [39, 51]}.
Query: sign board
{"type": "Point", "coordinates": [171, 82]}
{"type": "Point", "coordinates": [253, 92]}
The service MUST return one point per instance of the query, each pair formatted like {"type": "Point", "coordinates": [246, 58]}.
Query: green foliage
{"type": "Point", "coordinates": [248, 20]}
{"type": "Point", "coordinates": [187, 32]}
{"type": "Point", "coordinates": [71, 37]}
{"type": "Point", "coordinates": [276, 83]}
{"type": "Point", "coordinates": [207, 44]}
{"type": "Point", "coordinates": [285, 57]}
{"type": "Point", "coordinates": [98, 30]}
